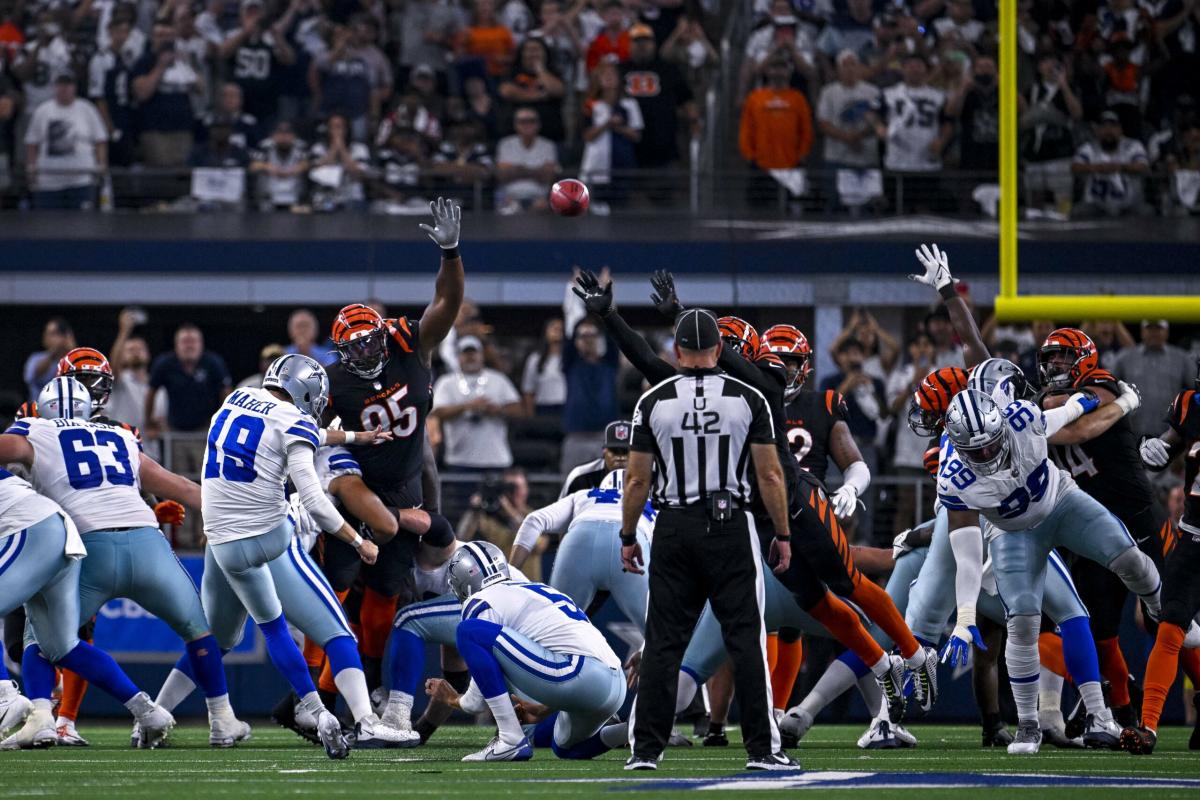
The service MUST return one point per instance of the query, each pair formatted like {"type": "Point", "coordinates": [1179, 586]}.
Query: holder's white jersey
{"type": "Point", "coordinates": [245, 463]}
{"type": "Point", "coordinates": [543, 614]}
{"type": "Point", "coordinates": [90, 469]}
{"type": "Point", "coordinates": [331, 462]}
{"type": "Point", "coordinates": [20, 505]}
{"type": "Point", "coordinates": [1018, 497]}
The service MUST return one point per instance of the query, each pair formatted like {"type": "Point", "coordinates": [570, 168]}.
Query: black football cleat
{"type": "Point", "coordinates": [1138, 741]}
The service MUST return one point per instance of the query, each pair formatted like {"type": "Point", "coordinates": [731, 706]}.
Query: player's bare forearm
{"type": "Point", "coordinates": [161, 483]}
{"type": "Point", "coordinates": [636, 490]}
{"type": "Point", "coordinates": [448, 292]}
{"type": "Point", "coordinates": [842, 447]}
{"type": "Point", "coordinates": [771, 485]}
{"type": "Point", "coordinates": [1089, 426]}
{"type": "Point", "coordinates": [974, 350]}
{"type": "Point", "coordinates": [518, 556]}
{"type": "Point", "coordinates": [873, 561]}
{"type": "Point", "coordinates": [365, 505]}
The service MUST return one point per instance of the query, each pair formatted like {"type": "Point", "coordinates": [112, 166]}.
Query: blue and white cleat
{"type": "Point", "coordinates": [1104, 735]}
{"type": "Point", "coordinates": [879, 736]}
{"type": "Point", "coordinates": [497, 750]}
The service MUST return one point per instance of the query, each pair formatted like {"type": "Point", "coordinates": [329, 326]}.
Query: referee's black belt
{"type": "Point", "coordinates": [738, 505]}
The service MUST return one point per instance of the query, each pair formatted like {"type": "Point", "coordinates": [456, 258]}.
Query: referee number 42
{"type": "Point", "coordinates": [698, 422]}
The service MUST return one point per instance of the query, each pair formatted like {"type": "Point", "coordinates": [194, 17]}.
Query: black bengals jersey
{"type": "Point", "coordinates": [103, 420]}
{"type": "Point", "coordinates": [1184, 418]}
{"type": "Point", "coordinates": [398, 399]}
{"type": "Point", "coordinates": [810, 419]}
{"type": "Point", "coordinates": [1108, 467]}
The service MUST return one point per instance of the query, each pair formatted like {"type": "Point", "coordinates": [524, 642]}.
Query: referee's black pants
{"type": "Point", "coordinates": [693, 561]}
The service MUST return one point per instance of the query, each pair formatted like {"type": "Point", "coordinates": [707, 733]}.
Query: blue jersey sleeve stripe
{"type": "Point", "coordinates": [306, 435]}
{"type": "Point", "coordinates": [343, 462]}
{"type": "Point", "coordinates": [475, 608]}
{"type": "Point", "coordinates": [19, 428]}
{"type": "Point", "coordinates": [304, 423]}
{"type": "Point", "coordinates": [953, 503]}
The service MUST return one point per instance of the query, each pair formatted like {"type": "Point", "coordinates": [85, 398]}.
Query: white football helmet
{"type": "Point", "coordinates": [475, 565]}
{"type": "Point", "coordinates": [64, 398]}
{"type": "Point", "coordinates": [978, 431]}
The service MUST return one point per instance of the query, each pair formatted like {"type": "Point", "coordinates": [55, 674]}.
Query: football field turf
{"type": "Point", "coordinates": [275, 764]}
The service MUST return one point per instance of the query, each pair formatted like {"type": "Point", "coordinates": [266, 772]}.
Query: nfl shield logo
{"type": "Point", "coordinates": [621, 432]}
{"type": "Point", "coordinates": [722, 504]}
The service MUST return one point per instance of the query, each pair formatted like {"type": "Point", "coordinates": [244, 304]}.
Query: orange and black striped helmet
{"type": "Point", "coordinates": [26, 409]}
{"type": "Point", "coordinates": [740, 335]}
{"type": "Point", "coordinates": [360, 337]}
{"type": "Point", "coordinates": [1065, 356]}
{"type": "Point", "coordinates": [931, 399]}
{"type": "Point", "coordinates": [88, 366]}
{"type": "Point", "coordinates": [790, 344]}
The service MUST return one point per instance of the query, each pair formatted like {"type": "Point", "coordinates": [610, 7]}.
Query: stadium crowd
{"type": "Point", "coordinates": [304, 105]}
{"type": "Point", "coordinates": [505, 407]}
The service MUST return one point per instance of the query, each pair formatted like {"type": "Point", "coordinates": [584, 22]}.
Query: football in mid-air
{"type": "Point", "coordinates": [569, 198]}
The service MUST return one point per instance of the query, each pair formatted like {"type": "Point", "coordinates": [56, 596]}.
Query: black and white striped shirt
{"type": "Point", "coordinates": [699, 426]}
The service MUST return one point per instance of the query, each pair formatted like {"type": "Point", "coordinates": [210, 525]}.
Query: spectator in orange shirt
{"type": "Point", "coordinates": [776, 129]}
{"type": "Point", "coordinates": [486, 39]}
{"type": "Point", "coordinates": [613, 40]}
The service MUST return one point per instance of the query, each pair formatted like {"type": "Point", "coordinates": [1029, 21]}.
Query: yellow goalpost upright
{"type": "Point", "coordinates": [1011, 306]}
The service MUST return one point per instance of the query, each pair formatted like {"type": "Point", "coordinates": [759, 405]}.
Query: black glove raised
{"type": "Point", "coordinates": [663, 296]}
{"type": "Point", "coordinates": [596, 299]}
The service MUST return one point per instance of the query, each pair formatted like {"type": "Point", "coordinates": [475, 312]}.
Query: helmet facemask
{"type": "Point", "coordinates": [365, 355]}
{"type": "Point", "coordinates": [989, 457]}
{"type": "Point", "coordinates": [922, 421]}
{"type": "Point", "coordinates": [797, 373]}
{"type": "Point", "coordinates": [99, 385]}
{"type": "Point", "coordinates": [1056, 366]}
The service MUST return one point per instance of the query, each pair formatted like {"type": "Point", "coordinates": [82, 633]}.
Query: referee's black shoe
{"type": "Point", "coordinates": [773, 762]}
{"type": "Point", "coordinates": [639, 763]}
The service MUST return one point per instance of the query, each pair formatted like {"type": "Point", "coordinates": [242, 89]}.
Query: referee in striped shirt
{"type": "Point", "coordinates": [702, 429]}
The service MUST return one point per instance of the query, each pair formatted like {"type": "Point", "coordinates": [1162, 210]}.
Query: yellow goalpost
{"type": "Point", "coordinates": [1010, 306]}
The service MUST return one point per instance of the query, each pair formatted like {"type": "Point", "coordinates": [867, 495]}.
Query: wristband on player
{"type": "Point", "coordinates": [628, 539]}
{"type": "Point", "coordinates": [357, 541]}
{"type": "Point", "coordinates": [785, 539]}
{"type": "Point", "coordinates": [948, 292]}
{"type": "Point", "coordinates": [450, 252]}
{"type": "Point", "coordinates": [350, 437]}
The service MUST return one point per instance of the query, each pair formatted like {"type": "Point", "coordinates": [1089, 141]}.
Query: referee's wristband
{"type": "Point", "coordinates": [948, 292]}
{"type": "Point", "coordinates": [628, 539]}
{"type": "Point", "coordinates": [357, 541]}
{"type": "Point", "coordinates": [779, 538]}
{"type": "Point", "coordinates": [450, 252]}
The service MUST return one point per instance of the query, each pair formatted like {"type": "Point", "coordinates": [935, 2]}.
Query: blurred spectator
{"type": "Point", "coordinates": [1048, 110]}
{"type": "Point", "coordinates": [245, 129]}
{"type": "Point", "coordinates": [413, 112]}
{"type": "Point", "coordinates": [353, 78]}
{"type": "Point", "coordinates": [776, 131]}
{"type": "Point", "coordinates": [266, 356]}
{"type": "Point", "coordinates": [337, 168]}
{"type": "Point", "coordinates": [880, 348]}
{"type": "Point", "coordinates": [866, 406]}
{"type": "Point", "coordinates": [423, 84]}
{"type": "Point", "coordinates": [526, 164]}
{"type": "Point", "coordinates": [959, 23]}
{"type": "Point", "coordinates": [664, 99]}
{"type": "Point", "coordinates": [129, 357]}
{"type": "Point", "coordinates": [196, 381]}
{"type": "Point", "coordinates": [1159, 370]}
{"type": "Point", "coordinates": [851, 29]}
{"type": "Point", "coordinates": [255, 57]}
{"type": "Point", "coordinates": [848, 115]}
{"type": "Point", "coordinates": [917, 131]}
{"type": "Point", "coordinates": [689, 48]}
{"type": "Point", "coordinates": [303, 333]}
{"type": "Point", "coordinates": [9, 103]}
{"type": "Point", "coordinates": [1111, 338]}
{"type": "Point", "coordinates": [462, 159]}
{"type": "Point", "coordinates": [477, 105]}
{"type": "Point", "coordinates": [496, 510]}
{"type": "Point", "coordinates": [947, 350]}
{"type": "Point", "coordinates": [66, 147]}
{"type": "Point", "coordinates": [543, 386]}
{"type": "Point", "coordinates": [1123, 84]}
{"type": "Point", "coordinates": [401, 162]}
{"type": "Point", "coordinates": [612, 43]}
{"type": "Point", "coordinates": [1183, 165]}
{"type": "Point", "coordinates": [110, 12]}
{"type": "Point", "coordinates": [109, 74]}
{"type": "Point", "coordinates": [219, 150]}
{"type": "Point", "coordinates": [533, 84]}
{"type": "Point", "coordinates": [977, 106]}
{"type": "Point", "coordinates": [1040, 329]}
{"type": "Point", "coordinates": [612, 127]}
{"type": "Point", "coordinates": [47, 55]}
{"type": "Point", "coordinates": [560, 35]}
{"type": "Point", "coordinates": [196, 49]}
{"type": "Point", "coordinates": [473, 405]}
{"type": "Point", "coordinates": [517, 17]}
{"type": "Point", "coordinates": [908, 449]}
{"type": "Point", "coordinates": [425, 30]}
{"type": "Point", "coordinates": [781, 32]}
{"type": "Point", "coordinates": [163, 80]}
{"type": "Point", "coordinates": [281, 163]}
{"type": "Point", "coordinates": [589, 364]}
{"type": "Point", "coordinates": [1114, 167]}
{"type": "Point", "coordinates": [487, 40]}
{"type": "Point", "coordinates": [41, 367]}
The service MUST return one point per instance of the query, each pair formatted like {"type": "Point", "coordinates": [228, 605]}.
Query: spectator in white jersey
{"type": "Point", "coordinates": [473, 406]}
{"type": "Point", "coordinates": [916, 131]}
{"type": "Point", "coordinates": [1114, 167]}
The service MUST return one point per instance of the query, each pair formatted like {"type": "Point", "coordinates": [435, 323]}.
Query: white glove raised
{"type": "Point", "coordinates": [447, 222]}
{"type": "Point", "coordinates": [937, 267]}
{"type": "Point", "coordinates": [1130, 398]}
{"type": "Point", "coordinates": [1155, 452]}
{"type": "Point", "coordinates": [845, 501]}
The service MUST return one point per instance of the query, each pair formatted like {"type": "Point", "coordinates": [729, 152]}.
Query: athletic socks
{"type": "Point", "coordinates": [789, 659]}
{"type": "Point", "coordinates": [204, 655]}
{"type": "Point", "coordinates": [685, 690]}
{"type": "Point", "coordinates": [1079, 651]}
{"type": "Point", "coordinates": [37, 673]}
{"type": "Point", "coordinates": [1050, 686]}
{"type": "Point", "coordinates": [406, 654]}
{"type": "Point", "coordinates": [1161, 670]}
{"type": "Point", "coordinates": [837, 678]}
{"type": "Point", "coordinates": [475, 639]}
{"type": "Point", "coordinates": [175, 688]}
{"type": "Point", "coordinates": [74, 688]}
{"type": "Point", "coordinates": [1050, 651]}
{"type": "Point", "coordinates": [1093, 700]}
{"type": "Point", "coordinates": [286, 656]}
{"type": "Point", "coordinates": [348, 675]}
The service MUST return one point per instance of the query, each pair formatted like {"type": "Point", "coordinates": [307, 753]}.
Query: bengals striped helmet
{"type": "Point", "coordinates": [88, 366]}
{"type": "Point", "coordinates": [930, 401]}
{"type": "Point", "coordinates": [790, 344]}
{"type": "Point", "coordinates": [1065, 356]}
{"type": "Point", "coordinates": [740, 336]}
{"type": "Point", "coordinates": [360, 337]}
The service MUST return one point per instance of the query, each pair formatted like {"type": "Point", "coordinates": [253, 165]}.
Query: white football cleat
{"type": "Point", "coordinates": [69, 737]}
{"type": "Point", "coordinates": [330, 731]}
{"type": "Point", "coordinates": [38, 731]}
{"type": "Point", "coordinates": [14, 706]}
{"type": "Point", "coordinates": [155, 725]}
{"type": "Point", "coordinates": [394, 716]}
{"type": "Point", "coordinates": [1104, 735]}
{"type": "Point", "coordinates": [796, 722]}
{"type": "Point", "coordinates": [1028, 739]}
{"type": "Point", "coordinates": [371, 733]}
{"type": "Point", "coordinates": [903, 736]}
{"type": "Point", "coordinates": [497, 750]}
{"type": "Point", "coordinates": [879, 736]}
{"type": "Point", "coordinates": [1192, 637]}
{"type": "Point", "coordinates": [226, 731]}
{"type": "Point", "coordinates": [135, 736]}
